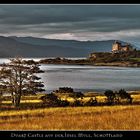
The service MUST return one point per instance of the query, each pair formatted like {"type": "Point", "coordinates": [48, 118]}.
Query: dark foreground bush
{"type": "Point", "coordinates": [91, 102]}
{"type": "Point", "coordinates": [51, 100]}
{"type": "Point", "coordinates": [120, 97]}
{"type": "Point", "coordinates": [76, 95]}
{"type": "Point", "coordinates": [124, 95]}
{"type": "Point", "coordinates": [110, 97]}
{"type": "Point", "coordinates": [63, 103]}
{"type": "Point", "coordinates": [76, 103]}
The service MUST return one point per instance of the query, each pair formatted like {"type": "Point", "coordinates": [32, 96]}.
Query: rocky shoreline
{"type": "Point", "coordinates": [65, 61]}
{"type": "Point", "coordinates": [118, 64]}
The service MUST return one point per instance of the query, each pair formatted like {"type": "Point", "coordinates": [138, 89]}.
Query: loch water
{"type": "Point", "coordinates": [88, 78]}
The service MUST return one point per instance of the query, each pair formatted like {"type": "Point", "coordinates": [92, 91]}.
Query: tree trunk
{"type": "Point", "coordinates": [13, 100]}
{"type": "Point", "coordinates": [16, 100]}
{"type": "Point", "coordinates": [12, 96]}
{"type": "Point", "coordinates": [0, 97]}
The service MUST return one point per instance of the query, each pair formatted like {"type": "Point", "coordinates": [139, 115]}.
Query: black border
{"type": "Point", "coordinates": [103, 134]}
{"type": "Point", "coordinates": [70, 134]}
{"type": "Point", "coordinates": [69, 2]}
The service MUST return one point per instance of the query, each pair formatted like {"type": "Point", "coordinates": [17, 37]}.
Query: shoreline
{"type": "Point", "coordinates": [98, 64]}
{"type": "Point", "coordinates": [100, 92]}
{"type": "Point", "coordinates": [82, 61]}
{"type": "Point", "coordinates": [64, 61]}
{"type": "Point", "coordinates": [96, 93]}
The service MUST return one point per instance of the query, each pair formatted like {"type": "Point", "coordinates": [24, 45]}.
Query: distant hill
{"type": "Point", "coordinates": [39, 47]}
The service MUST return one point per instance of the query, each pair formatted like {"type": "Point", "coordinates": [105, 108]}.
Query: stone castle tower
{"type": "Point", "coordinates": [118, 47]}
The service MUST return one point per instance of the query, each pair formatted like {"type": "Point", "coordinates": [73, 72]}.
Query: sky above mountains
{"type": "Point", "coordinates": [72, 22]}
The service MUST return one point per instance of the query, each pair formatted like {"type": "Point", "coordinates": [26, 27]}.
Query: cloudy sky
{"type": "Point", "coordinates": [78, 22]}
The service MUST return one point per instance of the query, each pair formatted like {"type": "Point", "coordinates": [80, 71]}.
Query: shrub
{"type": "Point", "coordinates": [52, 100]}
{"type": "Point", "coordinates": [63, 103]}
{"type": "Point", "coordinates": [91, 102]}
{"type": "Point", "coordinates": [116, 98]}
{"type": "Point", "coordinates": [76, 95]}
{"type": "Point", "coordinates": [124, 95]}
{"type": "Point", "coordinates": [76, 103]}
{"type": "Point", "coordinates": [110, 97]}
{"type": "Point", "coordinates": [64, 90]}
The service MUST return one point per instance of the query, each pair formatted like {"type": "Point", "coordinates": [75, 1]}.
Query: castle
{"type": "Point", "coordinates": [118, 47]}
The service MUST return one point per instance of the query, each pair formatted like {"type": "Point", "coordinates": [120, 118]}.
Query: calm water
{"type": "Point", "coordinates": [89, 78]}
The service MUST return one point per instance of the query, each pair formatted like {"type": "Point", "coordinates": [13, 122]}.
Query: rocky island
{"type": "Point", "coordinates": [120, 55]}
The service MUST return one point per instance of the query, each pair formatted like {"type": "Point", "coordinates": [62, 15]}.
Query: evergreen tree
{"type": "Point", "coordinates": [19, 78]}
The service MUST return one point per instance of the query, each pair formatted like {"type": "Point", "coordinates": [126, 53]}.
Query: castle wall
{"type": "Point", "coordinates": [118, 47]}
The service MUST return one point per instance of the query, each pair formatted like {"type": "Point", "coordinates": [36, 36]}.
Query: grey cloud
{"type": "Point", "coordinates": [67, 13]}
{"type": "Point", "coordinates": [55, 19]}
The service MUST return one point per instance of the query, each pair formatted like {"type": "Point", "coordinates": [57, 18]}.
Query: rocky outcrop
{"type": "Point", "coordinates": [123, 59]}
{"type": "Point", "coordinates": [59, 60]}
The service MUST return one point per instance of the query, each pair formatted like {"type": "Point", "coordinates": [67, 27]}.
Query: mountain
{"type": "Point", "coordinates": [38, 47]}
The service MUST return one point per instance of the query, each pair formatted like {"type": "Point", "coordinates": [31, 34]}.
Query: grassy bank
{"type": "Point", "coordinates": [73, 118]}
{"type": "Point", "coordinates": [32, 117]}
